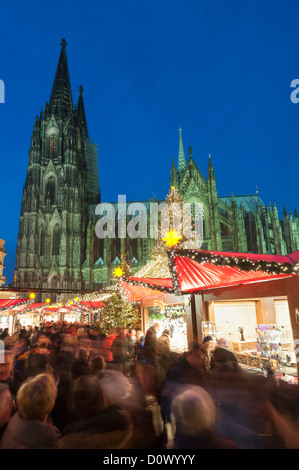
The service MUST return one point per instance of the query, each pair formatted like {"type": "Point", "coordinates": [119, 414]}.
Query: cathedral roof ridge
{"type": "Point", "coordinates": [242, 195]}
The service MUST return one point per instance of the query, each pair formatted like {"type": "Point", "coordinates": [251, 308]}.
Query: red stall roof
{"type": "Point", "coordinates": [136, 292]}
{"type": "Point", "coordinates": [193, 276]}
{"type": "Point", "coordinates": [10, 303]}
{"type": "Point", "coordinates": [92, 304]}
{"type": "Point", "coordinates": [36, 305]}
{"type": "Point", "coordinates": [196, 270]}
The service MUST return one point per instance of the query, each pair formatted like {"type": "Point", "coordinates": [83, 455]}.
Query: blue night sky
{"type": "Point", "coordinates": [220, 70]}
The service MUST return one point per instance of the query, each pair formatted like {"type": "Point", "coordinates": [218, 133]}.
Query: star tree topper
{"type": "Point", "coordinates": [118, 272]}
{"type": "Point", "coordinates": [172, 238]}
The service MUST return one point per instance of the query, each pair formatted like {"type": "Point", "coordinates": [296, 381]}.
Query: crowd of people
{"type": "Point", "coordinates": [67, 386]}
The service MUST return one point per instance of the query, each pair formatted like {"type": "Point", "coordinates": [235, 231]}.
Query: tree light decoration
{"type": "Point", "coordinates": [118, 312]}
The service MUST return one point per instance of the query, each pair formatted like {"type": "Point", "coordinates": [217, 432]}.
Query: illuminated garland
{"type": "Point", "coordinates": [174, 273]}
{"type": "Point", "coordinates": [149, 286]}
{"type": "Point", "coordinates": [156, 268]}
{"type": "Point", "coordinates": [27, 301]}
{"type": "Point", "coordinates": [244, 264]}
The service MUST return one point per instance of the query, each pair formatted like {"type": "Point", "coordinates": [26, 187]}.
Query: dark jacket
{"type": "Point", "coordinates": [119, 349]}
{"type": "Point", "coordinates": [180, 373]}
{"type": "Point", "coordinates": [110, 429]}
{"type": "Point", "coordinates": [224, 359]}
{"type": "Point", "coordinates": [163, 345]}
{"type": "Point", "coordinates": [30, 434]}
{"type": "Point", "coordinates": [205, 440]}
{"type": "Point", "coordinates": [150, 343]}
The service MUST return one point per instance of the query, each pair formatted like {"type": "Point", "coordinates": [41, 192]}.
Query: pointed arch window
{"type": "Point", "coordinates": [53, 145]}
{"type": "Point", "coordinates": [42, 241]}
{"type": "Point", "coordinates": [198, 218]}
{"type": "Point", "coordinates": [224, 230]}
{"type": "Point", "coordinates": [50, 191]}
{"type": "Point", "coordinates": [54, 282]}
{"type": "Point", "coordinates": [56, 240]}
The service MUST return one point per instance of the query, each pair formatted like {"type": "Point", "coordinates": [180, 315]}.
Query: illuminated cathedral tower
{"type": "Point", "coordinates": [61, 183]}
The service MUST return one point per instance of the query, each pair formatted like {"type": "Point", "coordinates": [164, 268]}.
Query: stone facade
{"type": "Point", "coordinates": [234, 223]}
{"type": "Point", "coordinates": [60, 185]}
{"type": "Point", "coordinates": [57, 247]}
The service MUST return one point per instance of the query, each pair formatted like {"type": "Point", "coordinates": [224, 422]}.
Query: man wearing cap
{"type": "Point", "coordinates": [223, 357]}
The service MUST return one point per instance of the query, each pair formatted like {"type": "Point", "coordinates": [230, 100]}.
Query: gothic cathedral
{"type": "Point", "coordinates": [61, 183]}
{"type": "Point", "coordinates": [57, 247]}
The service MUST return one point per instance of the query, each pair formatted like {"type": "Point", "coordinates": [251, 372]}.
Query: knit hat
{"type": "Point", "coordinates": [207, 338]}
{"type": "Point", "coordinates": [223, 342]}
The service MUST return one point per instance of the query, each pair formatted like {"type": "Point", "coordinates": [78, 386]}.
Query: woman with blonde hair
{"type": "Point", "coordinates": [30, 428]}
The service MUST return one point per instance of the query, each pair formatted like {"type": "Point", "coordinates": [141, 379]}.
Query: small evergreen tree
{"type": "Point", "coordinates": [118, 312]}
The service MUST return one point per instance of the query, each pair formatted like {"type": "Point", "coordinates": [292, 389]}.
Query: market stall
{"type": "Point", "coordinates": [159, 304]}
{"type": "Point", "coordinates": [246, 288]}
{"type": "Point", "coordinates": [9, 309]}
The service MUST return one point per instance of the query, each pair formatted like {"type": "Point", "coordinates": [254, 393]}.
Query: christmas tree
{"type": "Point", "coordinates": [175, 219]}
{"type": "Point", "coordinates": [124, 268]}
{"type": "Point", "coordinates": [170, 235]}
{"type": "Point", "coordinates": [118, 312]}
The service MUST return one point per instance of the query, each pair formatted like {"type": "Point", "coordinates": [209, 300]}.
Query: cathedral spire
{"type": "Point", "coordinates": [81, 112]}
{"type": "Point", "coordinates": [61, 102]}
{"type": "Point", "coordinates": [173, 175]}
{"type": "Point", "coordinates": [211, 173]}
{"type": "Point", "coordinates": [285, 211]}
{"type": "Point", "coordinates": [182, 160]}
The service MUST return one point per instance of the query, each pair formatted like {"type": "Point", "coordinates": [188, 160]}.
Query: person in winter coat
{"type": "Point", "coordinates": [163, 343]}
{"type": "Point", "coordinates": [190, 368]}
{"type": "Point", "coordinates": [96, 424]}
{"type": "Point", "coordinates": [4, 334]}
{"type": "Point", "coordinates": [223, 358]}
{"type": "Point", "coordinates": [6, 407]}
{"type": "Point", "coordinates": [150, 343]}
{"type": "Point", "coordinates": [81, 365]}
{"type": "Point", "coordinates": [30, 427]}
{"type": "Point", "coordinates": [194, 414]}
{"type": "Point", "coordinates": [132, 343]}
{"type": "Point", "coordinates": [207, 347]}
{"type": "Point", "coordinates": [120, 350]}
{"type": "Point", "coordinates": [164, 357]}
